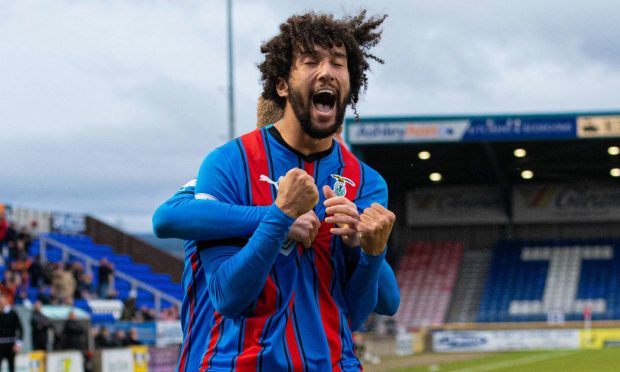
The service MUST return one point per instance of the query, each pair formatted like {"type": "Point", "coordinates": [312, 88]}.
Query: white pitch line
{"type": "Point", "coordinates": [514, 362]}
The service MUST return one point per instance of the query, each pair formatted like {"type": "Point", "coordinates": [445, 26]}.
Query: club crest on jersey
{"type": "Point", "coordinates": [269, 180]}
{"type": "Point", "coordinates": [340, 187]}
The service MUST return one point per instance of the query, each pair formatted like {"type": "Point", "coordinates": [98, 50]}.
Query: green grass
{"type": "Point", "coordinates": [535, 361]}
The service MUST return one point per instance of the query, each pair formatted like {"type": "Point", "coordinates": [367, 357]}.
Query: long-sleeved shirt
{"type": "Point", "coordinates": [266, 303]}
{"type": "Point", "coordinates": [184, 217]}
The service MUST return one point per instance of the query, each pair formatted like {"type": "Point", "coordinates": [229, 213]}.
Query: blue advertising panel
{"type": "Point", "coordinates": [491, 128]}
{"type": "Point", "coordinates": [526, 128]}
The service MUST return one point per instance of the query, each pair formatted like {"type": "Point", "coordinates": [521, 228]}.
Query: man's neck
{"type": "Point", "coordinates": [294, 135]}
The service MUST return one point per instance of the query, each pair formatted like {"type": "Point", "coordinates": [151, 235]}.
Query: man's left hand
{"type": "Point", "coordinates": [374, 228]}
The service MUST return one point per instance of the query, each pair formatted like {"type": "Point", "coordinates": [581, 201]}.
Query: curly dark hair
{"type": "Point", "coordinates": [300, 33]}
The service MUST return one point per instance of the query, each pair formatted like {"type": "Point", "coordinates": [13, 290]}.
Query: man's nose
{"type": "Point", "coordinates": [326, 72]}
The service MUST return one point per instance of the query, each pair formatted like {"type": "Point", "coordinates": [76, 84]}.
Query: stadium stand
{"type": "Point", "coordinates": [128, 274]}
{"type": "Point", "coordinates": [426, 277]}
{"type": "Point", "coordinates": [532, 280]}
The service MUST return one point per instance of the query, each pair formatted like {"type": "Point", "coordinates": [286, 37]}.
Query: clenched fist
{"type": "Point", "coordinates": [305, 229]}
{"type": "Point", "coordinates": [297, 193]}
{"type": "Point", "coordinates": [374, 228]}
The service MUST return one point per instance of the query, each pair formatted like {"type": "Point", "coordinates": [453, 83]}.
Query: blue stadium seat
{"type": "Point", "coordinates": [123, 263]}
{"type": "Point", "coordinates": [520, 270]}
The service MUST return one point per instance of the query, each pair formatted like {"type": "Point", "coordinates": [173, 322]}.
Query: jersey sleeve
{"type": "Point", "coordinates": [219, 178]}
{"type": "Point", "coordinates": [373, 189]}
{"type": "Point", "coordinates": [361, 291]}
{"type": "Point", "coordinates": [388, 299]}
{"type": "Point", "coordinates": [236, 277]}
{"type": "Point", "coordinates": [368, 287]}
{"type": "Point", "coordinates": [184, 217]}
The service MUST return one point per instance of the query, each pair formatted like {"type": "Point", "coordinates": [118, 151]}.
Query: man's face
{"type": "Point", "coordinates": [318, 90]}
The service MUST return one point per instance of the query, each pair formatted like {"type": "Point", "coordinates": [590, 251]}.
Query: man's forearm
{"type": "Point", "coordinates": [388, 293]}
{"type": "Point", "coordinates": [239, 279]}
{"type": "Point", "coordinates": [190, 219]}
{"type": "Point", "coordinates": [361, 289]}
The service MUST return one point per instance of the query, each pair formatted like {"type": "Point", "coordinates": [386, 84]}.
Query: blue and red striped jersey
{"type": "Point", "coordinates": [298, 320]}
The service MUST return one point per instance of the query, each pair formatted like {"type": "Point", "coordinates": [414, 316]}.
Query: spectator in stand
{"type": "Point", "coordinates": [48, 270]}
{"type": "Point", "coordinates": [171, 313]}
{"type": "Point", "coordinates": [10, 240]}
{"type": "Point", "coordinates": [22, 281]}
{"type": "Point", "coordinates": [85, 288]}
{"type": "Point", "coordinates": [145, 314]}
{"type": "Point", "coordinates": [17, 245]}
{"type": "Point", "coordinates": [63, 286]}
{"type": "Point", "coordinates": [102, 339]}
{"type": "Point", "coordinates": [20, 266]}
{"type": "Point", "coordinates": [44, 295]}
{"type": "Point", "coordinates": [34, 228]}
{"type": "Point", "coordinates": [12, 249]}
{"type": "Point", "coordinates": [132, 337]}
{"type": "Point", "coordinates": [106, 271]}
{"type": "Point", "coordinates": [129, 306]}
{"type": "Point", "coordinates": [40, 326]}
{"type": "Point", "coordinates": [77, 270]}
{"type": "Point", "coordinates": [174, 312]}
{"type": "Point", "coordinates": [118, 338]}
{"type": "Point", "coordinates": [36, 272]}
{"type": "Point", "coordinates": [7, 286]}
{"type": "Point", "coordinates": [21, 251]}
{"type": "Point", "coordinates": [164, 314]}
{"type": "Point", "coordinates": [4, 227]}
{"type": "Point", "coordinates": [26, 238]}
{"type": "Point", "coordinates": [21, 291]}
{"type": "Point", "coordinates": [11, 333]}
{"type": "Point", "coordinates": [72, 337]}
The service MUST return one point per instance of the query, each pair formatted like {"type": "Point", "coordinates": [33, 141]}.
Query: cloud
{"type": "Point", "coordinates": [107, 107]}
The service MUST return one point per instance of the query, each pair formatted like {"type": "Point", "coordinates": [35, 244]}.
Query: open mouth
{"type": "Point", "coordinates": [324, 100]}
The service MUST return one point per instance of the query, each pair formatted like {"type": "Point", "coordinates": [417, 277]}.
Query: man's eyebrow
{"type": "Point", "coordinates": [340, 55]}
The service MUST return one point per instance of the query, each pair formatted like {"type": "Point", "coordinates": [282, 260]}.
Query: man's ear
{"type": "Point", "coordinates": [282, 87]}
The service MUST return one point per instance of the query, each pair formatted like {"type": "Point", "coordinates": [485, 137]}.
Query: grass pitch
{"type": "Point", "coordinates": [536, 361]}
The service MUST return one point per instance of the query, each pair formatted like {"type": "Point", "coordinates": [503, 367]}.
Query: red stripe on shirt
{"type": "Point", "coordinates": [327, 306]}
{"type": "Point", "coordinates": [266, 305]}
{"type": "Point", "coordinates": [322, 245]}
{"type": "Point", "coordinates": [254, 325]}
{"type": "Point", "coordinates": [214, 337]}
{"type": "Point", "coordinates": [291, 339]}
{"type": "Point", "coordinates": [259, 166]}
{"type": "Point", "coordinates": [192, 305]}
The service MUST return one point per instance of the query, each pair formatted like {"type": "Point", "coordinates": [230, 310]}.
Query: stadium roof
{"type": "Point", "coordinates": [469, 150]}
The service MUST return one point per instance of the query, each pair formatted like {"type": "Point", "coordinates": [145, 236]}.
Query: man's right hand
{"type": "Point", "coordinates": [297, 193]}
{"type": "Point", "coordinates": [305, 229]}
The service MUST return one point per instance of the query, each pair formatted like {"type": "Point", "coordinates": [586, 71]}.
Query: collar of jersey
{"type": "Point", "coordinates": [307, 158]}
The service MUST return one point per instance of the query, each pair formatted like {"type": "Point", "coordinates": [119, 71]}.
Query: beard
{"type": "Point", "coordinates": [302, 111]}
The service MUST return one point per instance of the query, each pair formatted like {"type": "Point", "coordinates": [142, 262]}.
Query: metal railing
{"type": "Point", "coordinates": [90, 262]}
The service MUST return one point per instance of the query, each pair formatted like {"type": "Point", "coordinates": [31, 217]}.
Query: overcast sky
{"type": "Point", "coordinates": [107, 107]}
